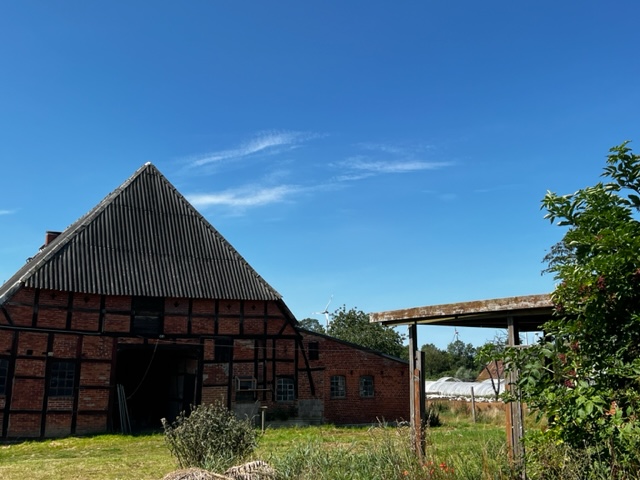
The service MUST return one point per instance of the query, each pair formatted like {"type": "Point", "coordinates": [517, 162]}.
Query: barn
{"type": "Point", "coordinates": [140, 309]}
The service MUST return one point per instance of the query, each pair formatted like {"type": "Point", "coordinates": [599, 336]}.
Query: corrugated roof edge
{"type": "Point", "coordinates": [27, 270]}
{"type": "Point", "coordinates": [61, 240]}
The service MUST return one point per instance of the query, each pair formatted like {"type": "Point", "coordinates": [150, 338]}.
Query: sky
{"type": "Point", "coordinates": [380, 154]}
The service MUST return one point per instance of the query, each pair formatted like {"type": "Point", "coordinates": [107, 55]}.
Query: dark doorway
{"type": "Point", "coordinates": [158, 382]}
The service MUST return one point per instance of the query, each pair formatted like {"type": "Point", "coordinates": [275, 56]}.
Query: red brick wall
{"type": "Point", "coordinates": [262, 355]}
{"type": "Point", "coordinates": [390, 376]}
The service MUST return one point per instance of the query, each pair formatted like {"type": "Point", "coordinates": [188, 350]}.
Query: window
{"type": "Point", "coordinates": [4, 373]}
{"type": "Point", "coordinates": [314, 351]}
{"type": "Point", "coordinates": [338, 387]}
{"type": "Point", "coordinates": [223, 350]}
{"type": "Point", "coordinates": [366, 386]}
{"type": "Point", "coordinates": [147, 315]}
{"type": "Point", "coordinates": [285, 390]}
{"type": "Point", "coordinates": [246, 389]}
{"type": "Point", "coordinates": [62, 379]}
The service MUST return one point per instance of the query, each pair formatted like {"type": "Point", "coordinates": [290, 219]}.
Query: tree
{"type": "Point", "coordinates": [584, 374]}
{"type": "Point", "coordinates": [462, 355]}
{"type": "Point", "coordinates": [353, 326]}
{"type": "Point", "coordinates": [311, 324]}
{"type": "Point", "coordinates": [489, 357]}
{"type": "Point", "coordinates": [436, 361]}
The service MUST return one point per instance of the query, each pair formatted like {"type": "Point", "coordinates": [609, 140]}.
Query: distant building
{"type": "Point", "coordinates": [142, 307]}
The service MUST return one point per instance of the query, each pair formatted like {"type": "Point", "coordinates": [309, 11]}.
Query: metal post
{"type": "Point", "coordinates": [263, 410]}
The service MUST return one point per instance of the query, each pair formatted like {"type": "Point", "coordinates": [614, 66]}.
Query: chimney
{"type": "Point", "coordinates": [50, 236]}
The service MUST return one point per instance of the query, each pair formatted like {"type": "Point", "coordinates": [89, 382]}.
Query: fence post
{"type": "Point", "coordinates": [473, 405]}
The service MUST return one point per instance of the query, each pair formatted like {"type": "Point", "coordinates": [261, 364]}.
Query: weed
{"type": "Point", "coordinates": [210, 437]}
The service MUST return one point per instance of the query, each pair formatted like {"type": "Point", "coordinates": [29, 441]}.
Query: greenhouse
{"type": "Point", "coordinates": [452, 388]}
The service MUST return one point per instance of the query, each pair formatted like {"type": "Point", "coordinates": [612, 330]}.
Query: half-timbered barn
{"type": "Point", "coordinates": [140, 309]}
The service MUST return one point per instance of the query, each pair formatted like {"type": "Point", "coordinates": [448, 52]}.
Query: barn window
{"type": "Point", "coordinates": [62, 379]}
{"type": "Point", "coordinates": [147, 315]}
{"type": "Point", "coordinates": [285, 389]}
{"type": "Point", "coordinates": [4, 373]}
{"type": "Point", "coordinates": [314, 351]}
{"type": "Point", "coordinates": [366, 386]}
{"type": "Point", "coordinates": [338, 386]}
{"type": "Point", "coordinates": [223, 350]}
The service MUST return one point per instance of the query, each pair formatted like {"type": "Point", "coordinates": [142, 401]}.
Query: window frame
{"type": "Point", "coordinates": [62, 378]}
{"type": "Point", "coordinates": [289, 393]}
{"type": "Point", "coordinates": [367, 389]}
{"type": "Point", "coordinates": [338, 386]}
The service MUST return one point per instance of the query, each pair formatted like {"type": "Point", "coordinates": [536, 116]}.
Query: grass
{"type": "Point", "coordinates": [471, 450]}
{"type": "Point", "coordinates": [115, 457]}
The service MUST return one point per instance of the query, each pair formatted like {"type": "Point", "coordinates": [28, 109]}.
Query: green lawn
{"type": "Point", "coordinates": [471, 448]}
{"type": "Point", "coordinates": [101, 457]}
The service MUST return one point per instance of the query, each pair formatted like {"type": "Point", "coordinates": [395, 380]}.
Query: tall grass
{"type": "Point", "coordinates": [459, 449]}
{"type": "Point", "coordinates": [387, 454]}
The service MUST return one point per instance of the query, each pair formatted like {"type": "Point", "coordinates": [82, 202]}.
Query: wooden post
{"type": "Point", "coordinates": [415, 391]}
{"type": "Point", "coordinates": [515, 427]}
{"type": "Point", "coordinates": [473, 405]}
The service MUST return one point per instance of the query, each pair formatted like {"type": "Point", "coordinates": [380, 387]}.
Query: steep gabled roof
{"type": "Point", "coordinates": [146, 239]}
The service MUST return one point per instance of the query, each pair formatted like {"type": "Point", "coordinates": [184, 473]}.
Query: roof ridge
{"type": "Point", "coordinates": [143, 238]}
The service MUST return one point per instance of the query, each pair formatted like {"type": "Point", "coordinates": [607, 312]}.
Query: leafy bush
{"type": "Point", "coordinates": [210, 437]}
{"type": "Point", "coordinates": [582, 376]}
{"type": "Point", "coordinates": [558, 460]}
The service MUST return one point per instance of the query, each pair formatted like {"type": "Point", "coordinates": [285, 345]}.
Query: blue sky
{"type": "Point", "coordinates": [391, 154]}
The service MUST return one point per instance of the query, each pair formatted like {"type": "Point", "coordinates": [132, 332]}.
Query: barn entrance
{"type": "Point", "coordinates": [156, 382]}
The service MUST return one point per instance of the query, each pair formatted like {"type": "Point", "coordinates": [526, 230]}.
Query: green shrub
{"type": "Point", "coordinates": [210, 437]}
{"type": "Point", "coordinates": [548, 458]}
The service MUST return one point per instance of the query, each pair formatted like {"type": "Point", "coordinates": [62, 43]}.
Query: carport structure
{"type": "Point", "coordinates": [515, 314]}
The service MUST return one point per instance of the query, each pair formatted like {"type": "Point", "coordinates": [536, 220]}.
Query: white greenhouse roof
{"type": "Point", "coordinates": [449, 387]}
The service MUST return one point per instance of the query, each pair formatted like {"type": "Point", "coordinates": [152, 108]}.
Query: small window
{"type": "Point", "coordinates": [62, 379]}
{"type": "Point", "coordinates": [285, 390]}
{"type": "Point", "coordinates": [245, 389]}
{"type": "Point", "coordinates": [246, 383]}
{"type": "Point", "coordinates": [147, 315]}
{"type": "Point", "coordinates": [4, 373]}
{"type": "Point", "coordinates": [223, 350]}
{"type": "Point", "coordinates": [314, 351]}
{"type": "Point", "coordinates": [366, 386]}
{"type": "Point", "coordinates": [338, 387]}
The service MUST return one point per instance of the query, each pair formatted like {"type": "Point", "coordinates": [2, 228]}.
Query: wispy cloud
{"type": "Point", "coordinates": [6, 212]}
{"type": "Point", "coordinates": [402, 150]}
{"type": "Point", "coordinates": [265, 142]}
{"type": "Point", "coordinates": [392, 166]}
{"type": "Point", "coordinates": [385, 159]}
{"type": "Point", "coordinates": [244, 197]}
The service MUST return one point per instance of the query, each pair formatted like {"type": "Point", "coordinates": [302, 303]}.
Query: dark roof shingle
{"type": "Point", "coordinates": [144, 238]}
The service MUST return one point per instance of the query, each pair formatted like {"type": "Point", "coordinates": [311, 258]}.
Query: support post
{"type": "Point", "coordinates": [416, 389]}
{"type": "Point", "coordinates": [515, 426]}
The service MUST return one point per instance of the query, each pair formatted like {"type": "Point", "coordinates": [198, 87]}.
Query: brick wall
{"type": "Point", "coordinates": [390, 401]}
{"type": "Point", "coordinates": [89, 329]}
